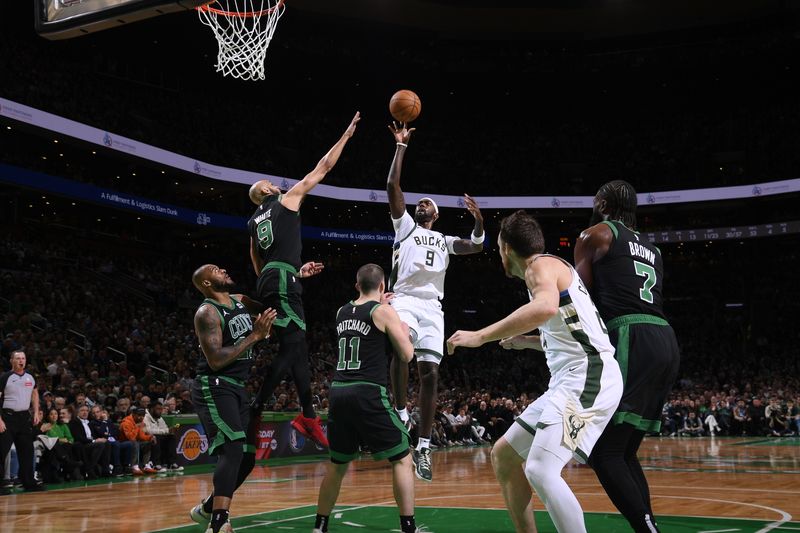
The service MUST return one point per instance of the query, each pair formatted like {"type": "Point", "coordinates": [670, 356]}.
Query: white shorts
{"type": "Point", "coordinates": [425, 319]}
{"type": "Point", "coordinates": [561, 404]}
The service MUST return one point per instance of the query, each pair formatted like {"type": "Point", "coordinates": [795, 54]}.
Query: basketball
{"type": "Point", "coordinates": [405, 105]}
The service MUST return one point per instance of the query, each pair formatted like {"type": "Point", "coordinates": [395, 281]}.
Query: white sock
{"type": "Point", "coordinates": [423, 443]}
{"type": "Point", "coordinates": [546, 460]}
{"type": "Point", "coordinates": [403, 414]}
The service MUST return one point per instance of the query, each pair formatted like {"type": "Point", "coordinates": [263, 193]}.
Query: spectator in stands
{"type": "Point", "coordinates": [793, 417]}
{"type": "Point", "coordinates": [94, 452]}
{"type": "Point", "coordinates": [710, 420]}
{"type": "Point", "coordinates": [144, 403]}
{"type": "Point", "coordinates": [481, 415]}
{"type": "Point", "coordinates": [739, 422]}
{"type": "Point", "coordinates": [776, 418]}
{"type": "Point", "coordinates": [692, 425]}
{"type": "Point", "coordinates": [164, 445]}
{"type": "Point", "coordinates": [120, 452]}
{"type": "Point", "coordinates": [132, 429]}
{"type": "Point", "coordinates": [121, 409]}
{"type": "Point", "coordinates": [57, 461]}
{"type": "Point", "coordinates": [185, 406]}
{"type": "Point", "coordinates": [756, 419]}
{"type": "Point", "coordinates": [61, 431]}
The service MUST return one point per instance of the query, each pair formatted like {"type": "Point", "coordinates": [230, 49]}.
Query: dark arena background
{"type": "Point", "coordinates": [125, 163]}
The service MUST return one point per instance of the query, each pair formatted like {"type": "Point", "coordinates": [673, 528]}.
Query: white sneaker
{"type": "Point", "coordinates": [199, 515]}
{"type": "Point", "coordinates": [176, 468]}
{"type": "Point", "coordinates": [226, 528]}
{"type": "Point", "coordinates": [161, 469]}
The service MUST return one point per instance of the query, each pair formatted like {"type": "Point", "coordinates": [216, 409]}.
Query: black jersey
{"type": "Point", "coordinates": [236, 325]}
{"type": "Point", "coordinates": [276, 232]}
{"type": "Point", "coordinates": [362, 346]}
{"type": "Point", "coordinates": [629, 279]}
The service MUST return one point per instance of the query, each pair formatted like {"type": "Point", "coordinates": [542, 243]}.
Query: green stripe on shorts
{"type": "Point", "coordinates": [223, 429]}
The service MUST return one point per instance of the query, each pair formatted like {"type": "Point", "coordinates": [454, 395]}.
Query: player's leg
{"type": "Point", "coordinates": [379, 427]}
{"type": "Point", "coordinates": [428, 350]}
{"type": "Point", "coordinates": [295, 349]}
{"type": "Point", "coordinates": [202, 512]}
{"type": "Point", "coordinates": [507, 464]}
{"type": "Point", "coordinates": [219, 405]}
{"type": "Point", "coordinates": [403, 487]}
{"type": "Point", "coordinates": [329, 493]}
{"type": "Point", "coordinates": [229, 455]}
{"type": "Point", "coordinates": [546, 460]}
{"type": "Point", "coordinates": [344, 416]}
{"type": "Point", "coordinates": [398, 372]}
{"type": "Point", "coordinates": [623, 486]}
{"type": "Point", "coordinates": [508, 455]}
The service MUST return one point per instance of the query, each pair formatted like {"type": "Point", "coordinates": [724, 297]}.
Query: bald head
{"type": "Point", "coordinates": [211, 278]}
{"type": "Point", "coordinates": [200, 275]}
{"type": "Point", "coordinates": [261, 189]}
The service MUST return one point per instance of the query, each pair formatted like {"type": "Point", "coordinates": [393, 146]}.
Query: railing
{"type": "Point", "coordinates": [86, 343]}
{"type": "Point", "coordinates": [162, 371]}
{"type": "Point", "coordinates": [123, 356]}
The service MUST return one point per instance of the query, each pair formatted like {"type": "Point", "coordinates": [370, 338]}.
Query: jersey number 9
{"type": "Point", "coordinates": [264, 232]}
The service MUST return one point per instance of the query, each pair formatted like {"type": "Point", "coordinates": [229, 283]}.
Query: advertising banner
{"type": "Point", "coordinates": [273, 440]}
{"type": "Point", "coordinates": [71, 128]}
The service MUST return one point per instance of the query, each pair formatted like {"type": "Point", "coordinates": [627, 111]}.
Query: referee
{"type": "Point", "coordinates": [17, 394]}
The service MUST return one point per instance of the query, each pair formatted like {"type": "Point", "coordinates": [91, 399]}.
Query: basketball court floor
{"type": "Point", "coordinates": [698, 485]}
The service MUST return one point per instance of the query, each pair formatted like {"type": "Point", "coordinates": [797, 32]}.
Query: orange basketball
{"type": "Point", "coordinates": [405, 106]}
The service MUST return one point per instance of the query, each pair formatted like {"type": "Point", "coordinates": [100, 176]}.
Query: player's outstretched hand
{"type": "Point", "coordinates": [400, 132]}
{"type": "Point", "coordinates": [351, 129]}
{"type": "Point", "coordinates": [472, 207]}
{"type": "Point", "coordinates": [310, 269]}
{"type": "Point", "coordinates": [387, 297]}
{"type": "Point", "coordinates": [263, 323]}
{"type": "Point", "coordinates": [467, 339]}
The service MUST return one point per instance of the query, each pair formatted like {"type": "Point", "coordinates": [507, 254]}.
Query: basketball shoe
{"type": "Point", "coordinates": [422, 464]}
{"type": "Point", "coordinates": [198, 515]}
{"type": "Point", "coordinates": [226, 528]}
{"type": "Point", "coordinates": [311, 428]}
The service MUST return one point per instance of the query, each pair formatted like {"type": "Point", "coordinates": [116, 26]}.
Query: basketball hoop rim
{"type": "Point", "coordinates": [243, 14]}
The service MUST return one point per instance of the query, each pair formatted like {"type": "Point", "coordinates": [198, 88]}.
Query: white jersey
{"type": "Point", "coordinates": [576, 331]}
{"type": "Point", "coordinates": [419, 260]}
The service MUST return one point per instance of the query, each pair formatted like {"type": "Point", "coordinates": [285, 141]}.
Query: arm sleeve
{"type": "Point", "coordinates": [403, 226]}
{"type": "Point", "coordinates": [449, 240]}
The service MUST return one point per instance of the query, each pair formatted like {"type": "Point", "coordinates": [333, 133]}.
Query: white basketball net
{"type": "Point", "coordinates": [243, 29]}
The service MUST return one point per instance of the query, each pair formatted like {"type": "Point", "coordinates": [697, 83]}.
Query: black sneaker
{"type": "Point", "coordinates": [7, 484]}
{"type": "Point", "coordinates": [39, 487]}
{"type": "Point", "coordinates": [422, 464]}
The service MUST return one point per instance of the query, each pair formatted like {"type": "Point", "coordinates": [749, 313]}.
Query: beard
{"type": "Point", "coordinates": [422, 217]}
{"type": "Point", "coordinates": [597, 217]}
{"type": "Point", "coordinates": [223, 286]}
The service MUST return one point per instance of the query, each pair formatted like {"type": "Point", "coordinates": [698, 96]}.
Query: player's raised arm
{"type": "Point", "coordinates": [209, 333]}
{"type": "Point", "coordinates": [591, 246]}
{"type": "Point", "coordinates": [255, 259]}
{"type": "Point", "coordinates": [297, 194]}
{"type": "Point", "coordinates": [474, 244]}
{"type": "Point", "coordinates": [397, 204]}
{"type": "Point", "coordinates": [542, 279]}
{"type": "Point", "coordinates": [387, 320]}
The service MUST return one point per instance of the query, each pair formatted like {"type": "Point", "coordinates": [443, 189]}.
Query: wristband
{"type": "Point", "coordinates": [404, 145]}
{"type": "Point", "coordinates": [478, 240]}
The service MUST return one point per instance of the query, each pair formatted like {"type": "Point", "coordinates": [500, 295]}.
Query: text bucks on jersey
{"type": "Point", "coordinates": [420, 260]}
